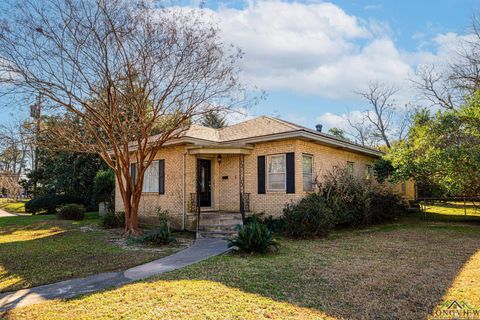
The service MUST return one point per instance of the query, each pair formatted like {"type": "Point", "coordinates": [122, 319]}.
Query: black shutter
{"type": "Point", "coordinates": [161, 176]}
{"type": "Point", "coordinates": [133, 172]}
{"type": "Point", "coordinates": [290, 157]}
{"type": "Point", "coordinates": [261, 174]}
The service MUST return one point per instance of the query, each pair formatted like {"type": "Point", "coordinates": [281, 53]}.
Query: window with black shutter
{"type": "Point", "coordinates": [161, 176]}
{"type": "Point", "coordinates": [261, 174]}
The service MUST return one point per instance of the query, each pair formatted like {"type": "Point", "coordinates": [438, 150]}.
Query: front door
{"type": "Point", "coordinates": [205, 182]}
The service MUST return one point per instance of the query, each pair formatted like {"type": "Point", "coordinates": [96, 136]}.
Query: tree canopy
{"type": "Point", "coordinates": [443, 150]}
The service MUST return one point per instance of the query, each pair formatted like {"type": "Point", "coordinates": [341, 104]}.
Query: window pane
{"type": "Point", "coordinates": [276, 181]}
{"type": "Point", "coordinates": [150, 180]}
{"type": "Point", "coordinates": [307, 164]}
{"type": "Point", "coordinates": [350, 167]}
{"type": "Point", "coordinates": [276, 164]}
{"type": "Point", "coordinates": [368, 171]}
{"type": "Point", "coordinates": [307, 182]}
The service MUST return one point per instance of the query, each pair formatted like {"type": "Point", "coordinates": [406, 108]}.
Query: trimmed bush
{"type": "Point", "coordinates": [308, 218]}
{"type": "Point", "coordinates": [159, 236]}
{"type": "Point", "coordinates": [254, 237]}
{"type": "Point", "coordinates": [113, 220]}
{"type": "Point", "coordinates": [49, 203]}
{"type": "Point", "coordinates": [71, 212]}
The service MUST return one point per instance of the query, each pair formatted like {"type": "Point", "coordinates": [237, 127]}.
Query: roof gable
{"type": "Point", "coordinates": [267, 128]}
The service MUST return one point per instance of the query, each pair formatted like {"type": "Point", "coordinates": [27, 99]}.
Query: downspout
{"type": "Point", "coordinates": [184, 213]}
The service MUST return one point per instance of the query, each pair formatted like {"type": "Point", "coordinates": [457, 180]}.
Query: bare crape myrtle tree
{"type": "Point", "coordinates": [115, 73]}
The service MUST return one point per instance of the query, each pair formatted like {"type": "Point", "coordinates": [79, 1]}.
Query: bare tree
{"type": "Point", "coordinates": [447, 86]}
{"type": "Point", "coordinates": [120, 77]}
{"type": "Point", "coordinates": [360, 131]}
{"type": "Point", "coordinates": [15, 148]}
{"type": "Point", "coordinates": [434, 87]}
{"type": "Point", "coordinates": [382, 110]}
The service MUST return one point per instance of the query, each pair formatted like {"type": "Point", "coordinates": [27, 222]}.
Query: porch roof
{"type": "Point", "coordinates": [220, 149]}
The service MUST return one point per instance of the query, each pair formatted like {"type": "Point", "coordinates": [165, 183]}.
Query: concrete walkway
{"type": "Point", "coordinates": [4, 213]}
{"type": "Point", "coordinates": [200, 250]}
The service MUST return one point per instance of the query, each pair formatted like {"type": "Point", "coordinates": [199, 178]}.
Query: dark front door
{"type": "Point", "coordinates": [205, 182]}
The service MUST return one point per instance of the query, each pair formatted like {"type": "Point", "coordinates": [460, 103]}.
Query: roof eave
{"type": "Point", "coordinates": [312, 136]}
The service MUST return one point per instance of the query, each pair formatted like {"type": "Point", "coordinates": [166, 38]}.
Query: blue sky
{"type": "Point", "coordinates": [311, 56]}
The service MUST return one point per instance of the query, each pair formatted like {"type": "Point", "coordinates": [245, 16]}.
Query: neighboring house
{"type": "Point", "coordinates": [256, 166]}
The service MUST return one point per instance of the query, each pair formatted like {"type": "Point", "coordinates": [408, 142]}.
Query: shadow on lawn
{"type": "Point", "coordinates": [401, 273]}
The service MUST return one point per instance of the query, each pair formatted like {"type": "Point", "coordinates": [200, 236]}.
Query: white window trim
{"type": "Point", "coordinates": [284, 155]}
{"type": "Point", "coordinates": [311, 174]}
{"type": "Point", "coordinates": [368, 171]}
{"type": "Point", "coordinates": [353, 167]}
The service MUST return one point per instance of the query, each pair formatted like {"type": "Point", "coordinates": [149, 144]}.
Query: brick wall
{"type": "Point", "coordinates": [324, 159]}
{"type": "Point", "coordinates": [225, 179]}
{"type": "Point", "coordinates": [172, 199]}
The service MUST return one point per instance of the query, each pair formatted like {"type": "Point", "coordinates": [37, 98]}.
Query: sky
{"type": "Point", "coordinates": [310, 57]}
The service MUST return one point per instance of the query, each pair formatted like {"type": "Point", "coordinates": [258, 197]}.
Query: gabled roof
{"type": "Point", "coordinates": [267, 128]}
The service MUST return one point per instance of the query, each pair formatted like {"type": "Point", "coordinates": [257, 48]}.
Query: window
{"type": "Point", "coordinates": [151, 178]}
{"type": "Point", "coordinates": [368, 172]}
{"type": "Point", "coordinates": [276, 172]}
{"type": "Point", "coordinates": [350, 167]}
{"type": "Point", "coordinates": [307, 164]}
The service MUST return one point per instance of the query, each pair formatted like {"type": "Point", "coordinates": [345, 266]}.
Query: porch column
{"type": "Point", "coordinates": [197, 190]}
{"type": "Point", "coordinates": [241, 180]}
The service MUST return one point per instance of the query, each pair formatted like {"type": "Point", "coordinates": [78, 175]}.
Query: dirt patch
{"type": "Point", "coordinates": [117, 238]}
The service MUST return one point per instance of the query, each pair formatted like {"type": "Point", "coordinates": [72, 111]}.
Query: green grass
{"type": "Point", "coordinates": [42, 249]}
{"type": "Point", "coordinates": [402, 270]}
{"type": "Point", "coordinates": [453, 211]}
{"type": "Point", "coordinates": [12, 206]}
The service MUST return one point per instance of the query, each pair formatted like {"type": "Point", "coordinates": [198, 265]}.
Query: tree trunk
{"type": "Point", "coordinates": [130, 204]}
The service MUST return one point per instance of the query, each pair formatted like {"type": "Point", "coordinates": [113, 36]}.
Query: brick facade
{"type": "Point", "coordinates": [180, 168]}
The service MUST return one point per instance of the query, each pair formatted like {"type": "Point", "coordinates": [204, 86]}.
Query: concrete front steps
{"type": "Point", "coordinates": [219, 224]}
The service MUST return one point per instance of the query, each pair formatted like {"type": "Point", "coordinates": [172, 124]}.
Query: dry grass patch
{"type": "Point", "coordinates": [182, 299]}
{"type": "Point", "coordinates": [397, 271]}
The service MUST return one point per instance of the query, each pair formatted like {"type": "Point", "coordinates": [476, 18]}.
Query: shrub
{"type": "Point", "coordinates": [113, 220]}
{"type": "Point", "coordinates": [254, 237]}
{"type": "Point", "coordinates": [159, 236]}
{"type": "Point", "coordinates": [104, 186]}
{"type": "Point", "coordinates": [310, 217]}
{"type": "Point", "coordinates": [163, 218]}
{"type": "Point", "coordinates": [72, 212]}
{"type": "Point", "coordinates": [355, 201]}
{"type": "Point", "coordinates": [384, 206]}
{"type": "Point", "coordinates": [49, 203]}
{"type": "Point", "coordinates": [274, 224]}
{"type": "Point", "coordinates": [342, 201]}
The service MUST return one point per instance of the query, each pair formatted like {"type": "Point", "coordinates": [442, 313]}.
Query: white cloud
{"type": "Point", "coordinates": [330, 120]}
{"type": "Point", "coordinates": [313, 48]}
{"type": "Point", "coordinates": [317, 48]}
{"type": "Point", "coordinates": [239, 115]}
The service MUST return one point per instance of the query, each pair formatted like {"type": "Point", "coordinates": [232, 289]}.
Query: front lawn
{"type": "Point", "coordinates": [453, 211]}
{"type": "Point", "coordinates": [42, 249]}
{"type": "Point", "coordinates": [396, 271]}
{"type": "Point", "coordinates": [12, 206]}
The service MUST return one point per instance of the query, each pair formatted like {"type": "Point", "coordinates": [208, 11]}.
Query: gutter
{"type": "Point", "coordinates": [184, 209]}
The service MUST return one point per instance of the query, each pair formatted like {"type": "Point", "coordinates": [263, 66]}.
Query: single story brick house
{"type": "Point", "coordinates": [257, 166]}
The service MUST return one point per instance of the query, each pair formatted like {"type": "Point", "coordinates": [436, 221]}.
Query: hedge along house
{"type": "Point", "coordinates": [259, 165]}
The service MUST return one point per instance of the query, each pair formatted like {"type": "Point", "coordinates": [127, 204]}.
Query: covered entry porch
{"type": "Point", "coordinates": [219, 179]}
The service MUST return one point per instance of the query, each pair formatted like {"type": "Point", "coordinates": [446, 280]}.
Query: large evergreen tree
{"type": "Point", "coordinates": [214, 120]}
